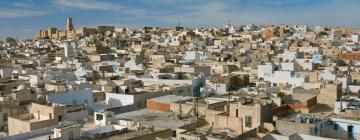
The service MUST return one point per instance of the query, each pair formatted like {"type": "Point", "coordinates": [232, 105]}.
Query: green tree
{"type": "Point", "coordinates": [10, 40]}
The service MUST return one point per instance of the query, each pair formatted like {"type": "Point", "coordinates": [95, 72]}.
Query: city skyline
{"type": "Point", "coordinates": [23, 17]}
{"type": "Point", "coordinates": [180, 69]}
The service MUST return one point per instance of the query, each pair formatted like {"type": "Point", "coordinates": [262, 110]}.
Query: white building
{"type": "Point", "coordinates": [218, 88]}
{"type": "Point", "coordinates": [172, 41]}
{"type": "Point", "coordinates": [267, 68]}
{"type": "Point", "coordinates": [36, 80]}
{"type": "Point", "coordinates": [290, 66]}
{"type": "Point", "coordinates": [341, 127]}
{"type": "Point", "coordinates": [355, 38]}
{"type": "Point", "coordinates": [194, 55]}
{"type": "Point", "coordinates": [309, 49]}
{"type": "Point", "coordinates": [349, 103]}
{"type": "Point", "coordinates": [305, 64]}
{"type": "Point", "coordinates": [134, 64]}
{"type": "Point", "coordinates": [68, 48]}
{"type": "Point", "coordinates": [286, 78]}
{"type": "Point", "coordinates": [288, 56]}
{"type": "Point", "coordinates": [327, 75]}
{"type": "Point", "coordinates": [301, 28]}
{"type": "Point", "coordinates": [332, 76]}
{"type": "Point", "coordinates": [103, 117]}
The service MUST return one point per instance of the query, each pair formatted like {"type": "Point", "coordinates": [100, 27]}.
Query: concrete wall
{"type": "Point", "coordinates": [313, 75]}
{"type": "Point", "coordinates": [219, 88]}
{"type": "Point", "coordinates": [304, 106]}
{"type": "Point", "coordinates": [330, 94]}
{"type": "Point", "coordinates": [77, 116]}
{"type": "Point", "coordinates": [73, 98]}
{"type": "Point", "coordinates": [354, 88]}
{"type": "Point", "coordinates": [258, 112]}
{"type": "Point", "coordinates": [158, 106]}
{"type": "Point", "coordinates": [287, 128]}
{"type": "Point", "coordinates": [65, 133]}
{"type": "Point", "coordinates": [195, 82]}
{"type": "Point", "coordinates": [285, 77]}
{"type": "Point", "coordinates": [342, 132]}
{"type": "Point", "coordinates": [153, 136]}
{"type": "Point", "coordinates": [17, 126]}
{"type": "Point", "coordinates": [119, 99]}
{"type": "Point", "coordinates": [36, 80]}
{"type": "Point", "coordinates": [42, 124]}
{"type": "Point", "coordinates": [26, 123]}
{"type": "Point", "coordinates": [24, 96]}
{"type": "Point", "coordinates": [29, 135]}
{"type": "Point", "coordinates": [140, 99]}
{"type": "Point", "coordinates": [44, 112]}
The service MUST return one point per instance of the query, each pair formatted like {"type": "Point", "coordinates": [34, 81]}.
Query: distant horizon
{"type": "Point", "coordinates": [22, 18]}
{"type": "Point", "coordinates": [167, 27]}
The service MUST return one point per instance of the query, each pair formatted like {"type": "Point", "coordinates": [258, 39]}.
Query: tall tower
{"type": "Point", "coordinates": [69, 25]}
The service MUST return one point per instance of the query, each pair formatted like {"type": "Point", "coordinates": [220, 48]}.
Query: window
{"type": "Point", "coordinates": [248, 121]}
{"type": "Point", "coordinates": [117, 89]}
{"type": "Point", "coordinates": [99, 117]}
{"type": "Point", "coordinates": [5, 117]}
{"type": "Point", "coordinates": [336, 126]}
{"type": "Point", "coordinates": [237, 113]}
{"type": "Point", "coordinates": [173, 133]}
{"type": "Point", "coordinates": [350, 130]}
{"type": "Point", "coordinates": [59, 118]}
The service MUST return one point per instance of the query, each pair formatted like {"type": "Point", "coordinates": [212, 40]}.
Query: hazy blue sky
{"type": "Point", "coordinates": [23, 17]}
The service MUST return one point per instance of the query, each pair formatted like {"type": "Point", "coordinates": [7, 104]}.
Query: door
{"type": "Point", "coordinates": [350, 130]}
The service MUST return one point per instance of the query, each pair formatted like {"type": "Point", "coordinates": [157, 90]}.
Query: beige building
{"type": "Point", "coordinates": [39, 116]}
{"type": "Point", "coordinates": [71, 32]}
{"type": "Point", "coordinates": [23, 95]}
{"type": "Point", "coordinates": [193, 69]}
{"type": "Point", "coordinates": [331, 93]}
{"type": "Point", "coordinates": [242, 116]}
{"type": "Point", "coordinates": [8, 109]}
{"type": "Point", "coordinates": [84, 31]}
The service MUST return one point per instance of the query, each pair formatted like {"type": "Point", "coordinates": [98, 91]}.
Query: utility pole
{"type": "Point", "coordinates": [180, 109]}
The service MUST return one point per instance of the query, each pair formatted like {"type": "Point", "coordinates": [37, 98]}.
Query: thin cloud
{"type": "Point", "coordinates": [14, 13]}
{"type": "Point", "coordinates": [22, 5]}
{"type": "Point", "coordinates": [86, 4]}
{"type": "Point", "coordinates": [215, 13]}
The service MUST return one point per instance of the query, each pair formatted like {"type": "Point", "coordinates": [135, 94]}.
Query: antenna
{"type": "Point", "coordinates": [178, 24]}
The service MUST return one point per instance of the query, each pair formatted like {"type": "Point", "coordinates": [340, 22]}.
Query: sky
{"type": "Point", "coordinates": [22, 18]}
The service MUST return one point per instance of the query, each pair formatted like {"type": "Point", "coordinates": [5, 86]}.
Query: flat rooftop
{"type": "Point", "coordinates": [155, 118]}
{"type": "Point", "coordinates": [170, 99]}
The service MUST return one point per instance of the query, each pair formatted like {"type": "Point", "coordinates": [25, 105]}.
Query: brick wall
{"type": "Point", "coordinates": [158, 106]}
{"type": "Point", "coordinates": [350, 56]}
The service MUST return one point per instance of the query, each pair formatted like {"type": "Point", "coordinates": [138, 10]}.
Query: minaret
{"type": "Point", "coordinates": [69, 25]}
